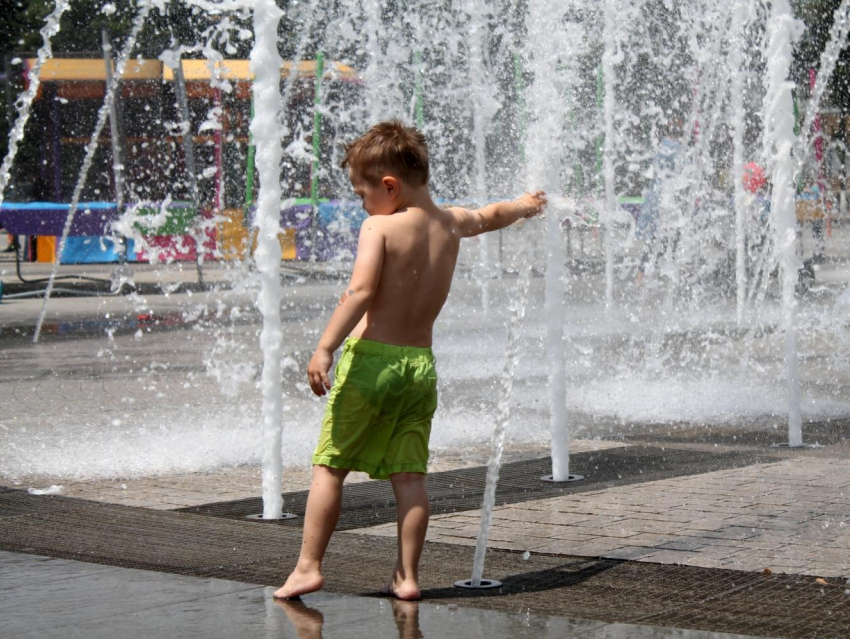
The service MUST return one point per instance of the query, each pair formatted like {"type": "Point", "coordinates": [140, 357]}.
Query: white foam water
{"type": "Point", "coordinates": [265, 65]}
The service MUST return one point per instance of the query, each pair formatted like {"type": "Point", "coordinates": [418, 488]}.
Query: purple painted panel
{"type": "Point", "coordinates": [45, 218]}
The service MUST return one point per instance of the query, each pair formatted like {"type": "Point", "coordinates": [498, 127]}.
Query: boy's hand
{"type": "Point", "coordinates": [533, 202]}
{"type": "Point", "coordinates": [317, 371]}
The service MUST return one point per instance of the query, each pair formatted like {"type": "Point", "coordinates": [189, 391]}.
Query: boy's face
{"type": "Point", "coordinates": [378, 199]}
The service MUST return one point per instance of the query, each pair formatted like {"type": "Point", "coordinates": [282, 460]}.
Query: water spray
{"type": "Point", "coordinates": [91, 148]}
{"type": "Point", "coordinates": [265, 65]}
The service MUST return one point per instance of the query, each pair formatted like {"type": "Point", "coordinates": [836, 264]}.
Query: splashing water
{"type": "Point", "coordinates": [779, 140]}
{"type": "Point", "coordinates": [24, 103]}
{"type": "Point", "coordinates": [265, 64]}
{"type": "Point", "coordinates": [103, 113]}
{"type": "Point", "coordinates": [503, 413]}
{"type": "Point", "coordinates": [829, 58]}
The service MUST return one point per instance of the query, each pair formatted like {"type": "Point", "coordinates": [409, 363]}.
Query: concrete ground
{"type": "Point", "coordinates": [47, 598]}
{"type": "Point", "coordinates": [150, 401]}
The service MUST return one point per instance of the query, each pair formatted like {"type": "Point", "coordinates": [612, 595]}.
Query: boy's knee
{"type": "Point", "coordinates": [407, 478]}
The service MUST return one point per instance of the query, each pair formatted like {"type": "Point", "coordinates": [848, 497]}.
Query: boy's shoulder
{"type": "Point", "coordinates": [404, 219]}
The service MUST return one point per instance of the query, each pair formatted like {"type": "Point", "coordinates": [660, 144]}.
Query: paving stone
{"type": "Point", "coordinates": [668, 556]}
{"type": "Point", "coordinates": [730, 532]}
{"type": "Point", "coordinates": [686, 543]}
{"type": "Point", "coordinates": [628, 552]}
{"type": "Point", "coordinates": [646, 539]}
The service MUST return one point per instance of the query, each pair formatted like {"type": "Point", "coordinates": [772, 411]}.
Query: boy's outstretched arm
{"type": "Point", "coordinates": [499, 214]}
{"type": "Point", "coordinates": [353, 303]}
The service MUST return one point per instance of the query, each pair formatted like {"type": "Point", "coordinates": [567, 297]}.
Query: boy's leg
{"type": "Point", "coordinates": [320, 519]}
{"type": "Point", "coordinates": [413, 511]}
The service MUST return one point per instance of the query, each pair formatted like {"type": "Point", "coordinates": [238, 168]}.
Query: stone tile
{"type": "Point", "coordinates": [629, 552]}
{"type": "Point", "coordinates": [613, 530]}
{"type": "Point", "coordinates": [704, 561]}
{"type": "Point", "coordinates": [666, 515]}
{"type": "Point", "coordinates": [718, 551]}
{"type": "Point", "coordinates": [587, 549]}
{"type": "Point", "coordinates": [765, 523]}
{"type": "Point", "coordinates": [753, 544]}
{"type": "Point", "coordinates": [730, 532]}
{"type": "Point", "coordinates": [645, 539]}
{"type": "Point", "coordinates": [668, 557]}
{"type": "Point", "coordinates": [598, 521]}
{"type": "Point", "coordinates": [709, 523]}
{"type": "Point", "coordinates": [512, 545]}
{"type": "Point", "coordinates": [445, 523]}
{"type": "Point", "coordinates": [522, 516]}
{"type": "Point", "coordinates": [460, 541]}
{"type": "Point", "coordinates": [571, 534]}
{"type": "Point", "coordinates": [760, 509]}
{"type": "Point", "coordinates": [657, 527]}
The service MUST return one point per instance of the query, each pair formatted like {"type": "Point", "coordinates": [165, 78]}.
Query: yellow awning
{"type": "Point", "coordinates": [94, 70]}
{"type": "Point", "coordinates": [239, 71]}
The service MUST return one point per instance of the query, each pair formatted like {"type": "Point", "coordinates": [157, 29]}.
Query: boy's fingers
{"type": "Point", "coordinates": [325, 381]}
{"type": "Point", "coordinates": [316, 384]}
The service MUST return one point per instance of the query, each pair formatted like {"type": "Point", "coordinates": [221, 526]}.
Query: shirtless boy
{"type": "Point", "coordinates": [378, 415]}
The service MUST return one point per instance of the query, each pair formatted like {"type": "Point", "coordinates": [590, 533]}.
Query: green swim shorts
{"type": "Point", "coordinates": [378, 416]}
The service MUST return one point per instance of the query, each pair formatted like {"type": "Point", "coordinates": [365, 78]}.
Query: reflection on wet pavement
{"type": "Point", "coordinates": [48, 598]}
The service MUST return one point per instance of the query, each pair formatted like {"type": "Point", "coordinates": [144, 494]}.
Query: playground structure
{"type": "Point", "coordinates": [160, 165]}
{"type": "Point", "coordinates": [199, 187]}
{"type": "Point", "coordinates": [155, 156]}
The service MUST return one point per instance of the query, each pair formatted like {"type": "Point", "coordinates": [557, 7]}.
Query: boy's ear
{"type": "Point", "coordinates": [391, 185]}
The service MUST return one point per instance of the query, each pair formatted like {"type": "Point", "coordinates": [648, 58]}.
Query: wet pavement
{"type": "Point", "coordinates": [150, 401]}
{"type": "Point", "coordinates": [46, 598]}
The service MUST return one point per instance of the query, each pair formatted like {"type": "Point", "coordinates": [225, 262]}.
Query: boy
{"type": "Point", "coordinates": [378, 416]}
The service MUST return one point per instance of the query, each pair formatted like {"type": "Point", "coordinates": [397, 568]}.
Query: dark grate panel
{"type": "Point", "coordinates": [605, 590]}
{"type": "Point", "coordinates": [372, 503]}
{"type": "Point", "coordinates": [821, 433]}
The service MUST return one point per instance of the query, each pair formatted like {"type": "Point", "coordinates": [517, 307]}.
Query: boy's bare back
{"type": "Point", "coordinates": [420, 253]}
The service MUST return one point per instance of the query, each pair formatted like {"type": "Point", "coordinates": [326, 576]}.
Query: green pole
{"type": "Point", "coordinates": [317, 150]}
{"type": "Point", "coordinates": [519, 90]}
{"type": "Point", "coordinates": [797, 127]}
{"type": "Point", "coordinates": [417, 90]}
{"type": "Point", "coordinates": [249, 177]}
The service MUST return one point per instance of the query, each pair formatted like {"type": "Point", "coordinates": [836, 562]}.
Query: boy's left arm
{"type": "Point", "coordinates": [353, 303]}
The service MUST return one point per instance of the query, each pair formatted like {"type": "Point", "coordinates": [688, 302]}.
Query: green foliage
{"type": "Point", "coordinates": [818, 16]}
{"type": "Point", "coordinates": [83, 22]}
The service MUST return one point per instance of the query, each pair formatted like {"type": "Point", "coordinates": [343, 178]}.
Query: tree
{"type": "Point", "coordinates": [818, 16]}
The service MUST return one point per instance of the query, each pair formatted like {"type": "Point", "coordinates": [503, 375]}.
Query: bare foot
{"type": "Point", "coordinates": [308, 621]}
{"type": "Point", "coordinates": [404, 589]}
{"type": "Point", "coordinates": [300, 583]}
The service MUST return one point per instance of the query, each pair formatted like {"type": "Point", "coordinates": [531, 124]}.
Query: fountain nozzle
{"type": "Point", "coordinates": [484, 584]}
